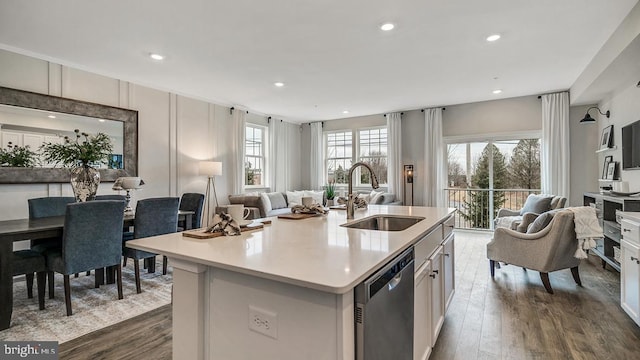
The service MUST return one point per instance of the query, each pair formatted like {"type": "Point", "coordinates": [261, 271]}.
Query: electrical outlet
{"type": "Point", "coordinates": [263, 321]}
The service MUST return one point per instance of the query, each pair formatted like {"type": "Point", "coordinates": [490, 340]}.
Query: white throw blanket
{"type": "Point", "coordinates": [507, 221]}
{"type": "Point", "coordinates": [587, 229]}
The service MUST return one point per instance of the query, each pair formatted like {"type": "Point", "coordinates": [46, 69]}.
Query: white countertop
{"type": "Point", "coordinates": [316, 252]}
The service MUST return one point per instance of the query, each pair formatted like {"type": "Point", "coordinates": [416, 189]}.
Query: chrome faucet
{"type": "Point", "coordinates": [351, 206]}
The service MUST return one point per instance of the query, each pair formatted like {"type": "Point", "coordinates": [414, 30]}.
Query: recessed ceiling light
{"type": "Point", "coordinates": [156, 56]}
{"type": "Point", "coordinates": [387, 27]}
{"type": "Point", "coordinates": [493, 37]}
{"type": "Point", "coordinates": [279, 84]}
{"type": "Point", "coordinates": [345, 112]}
{"type": "Point", "coordinates": [497, 91]}
{"type": "Point", "coordinates": [51, 116]}
{"type": "Point", "coordinates": [101, 120]}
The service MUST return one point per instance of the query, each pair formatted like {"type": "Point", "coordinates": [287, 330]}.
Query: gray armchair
{"type": "Point", "coordinates": [533, 206]}
{"type": "Point", "coordinates": [92, 239]}
{"type": "Point", "coordinates": [547, 250]}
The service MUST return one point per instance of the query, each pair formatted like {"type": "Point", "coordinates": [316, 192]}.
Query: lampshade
{"type": "Point", "coordinates": [127, 183]}
{"type": "Point", "coordinates": [588, 119]}
{"type": "Point", "coordinates": [211, 168]}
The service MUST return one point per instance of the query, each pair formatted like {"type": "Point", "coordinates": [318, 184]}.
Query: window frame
{"type": "Point", "coordinates": [355, 154]}
{"type": "Point", "coordinates": [264, 157]}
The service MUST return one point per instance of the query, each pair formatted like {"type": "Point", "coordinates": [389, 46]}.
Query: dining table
{"type": "Point", "coordinates": [32, 229]}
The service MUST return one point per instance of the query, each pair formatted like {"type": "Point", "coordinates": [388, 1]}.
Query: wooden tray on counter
{"type": "Point", "coordinates": [201, 234]}
{"type": "Point", "coordinates": [297, 216]}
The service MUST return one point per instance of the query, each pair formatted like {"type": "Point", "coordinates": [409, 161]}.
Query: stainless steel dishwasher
{"type": "Point", "coordinates": [384, 312]}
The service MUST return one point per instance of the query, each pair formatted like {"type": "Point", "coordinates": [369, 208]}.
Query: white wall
{"type": "Point", "coordinates": [174, 132]}
{"type": "Point", "coordinates": [584, 166]}
{"type": "Point", "coordinates": [625, 109]}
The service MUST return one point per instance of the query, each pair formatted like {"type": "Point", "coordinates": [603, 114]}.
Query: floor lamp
{"type": "Point", "coordinates": [210, 169]}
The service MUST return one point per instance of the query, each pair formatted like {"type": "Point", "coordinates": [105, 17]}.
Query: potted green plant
{"type": "Point", "coordinates": [330, 191]}
{"type": "Point", "coordinates": [81, 154]}
{"type": "Point", "coordinates": [17, 156]}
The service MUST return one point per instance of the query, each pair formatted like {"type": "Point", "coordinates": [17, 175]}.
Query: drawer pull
{"type": "Point", "coordinates": [433, 276]}
{"type": "Point", "coordinates": [626, 230]}
{"type": "Point", "coordinates": [447, 255]}
{"type": "Point", "coordinates": [635, 259]}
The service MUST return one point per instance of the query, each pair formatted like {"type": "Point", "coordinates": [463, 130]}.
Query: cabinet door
{"type": "Point", "coordinates": [448, 270]}
{"type": "Point", "coordinates": [630, 280]}
{"type": "Point", "coordinates": [437, 292]}
{"type": "Point", "coordinates": [422, 313]}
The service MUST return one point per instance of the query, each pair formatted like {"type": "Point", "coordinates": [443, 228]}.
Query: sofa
{"type": "Point", "coordinates": [280, 203]}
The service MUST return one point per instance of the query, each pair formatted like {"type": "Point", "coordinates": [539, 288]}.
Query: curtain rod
{"type": "Point", "coordinates": [443, 109]}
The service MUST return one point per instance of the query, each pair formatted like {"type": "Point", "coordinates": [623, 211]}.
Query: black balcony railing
{"type": "Point", "coordinates": [477, 208]}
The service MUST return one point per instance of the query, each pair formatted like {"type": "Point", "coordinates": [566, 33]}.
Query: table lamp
{"type": "Point", "coordinates": [128, 184]}
{"type": "Point", "coordinates": [210, 169]}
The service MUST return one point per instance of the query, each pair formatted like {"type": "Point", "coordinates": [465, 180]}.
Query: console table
{"type": "Point", "coordinates": [606, 206]}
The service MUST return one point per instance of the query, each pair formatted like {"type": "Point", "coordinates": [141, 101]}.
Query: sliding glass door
{"type": "Point", "coordinates": [487, 175]}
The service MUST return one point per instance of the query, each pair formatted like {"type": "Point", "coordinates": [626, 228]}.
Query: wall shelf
{"type": "Point", "coordinates": [607, 149]}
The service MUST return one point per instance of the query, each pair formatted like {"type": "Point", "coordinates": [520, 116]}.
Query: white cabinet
{"type": "Point", "coordinates": [630, 266]}
{"type": "Point", "coordinates": [630, 280]}
{"type": "Point", "coordinates": [448, 270]}
{"type": "Point", "coordinates": [422, 313]}
{"type": "Point", "coordinates": [434, 286]}
{"type": "Point", "coordinates": [437, 294]}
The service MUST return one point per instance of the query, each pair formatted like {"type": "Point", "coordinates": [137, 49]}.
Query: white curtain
{"type": "Point", "coordinates": [316, 162]}
{"type": "Point", "coordinates": [394, 156]}
{"type": "Point", "coordinates": [238, 121]}
{"type": "Point", "coordinates": [278, 156]}
{"type": "Point", "coordinates": [435, 170]}
{"type": "Point", "coordinates": [554, 152]}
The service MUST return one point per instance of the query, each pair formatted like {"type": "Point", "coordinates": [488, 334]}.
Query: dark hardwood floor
{"type": "Point", "coordinates": [510, 317]}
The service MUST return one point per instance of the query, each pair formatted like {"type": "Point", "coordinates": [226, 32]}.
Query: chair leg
{"type": "Point", "coordinates": [164, 265]}
{"type": "Point", "coordinates": [124, 263]}
{"type": "Point", "coordinates": [492, 267]}
{"type": "Point", "coordinates": [88, 273]}
{"type": "Point", "coordinates": [29, 277]}
{"type": "Point", "coordinates": [151, 266]}
{"type": "Point", "coordinates": [545, 281]}
{"type": "Point", "coordinates": [42, 284]}
{"type": "Point", "coordinates": [576, 275]}
{"type": "Point", "coordinates": [51, 276]}
{"type": "Point", "coordinates": [136, 267]}
{"type": "Point", "coordinates": [99, 277]}
{"type": "Point", "coordinates": [76, 275]}
{"type": "Point", "coordinates": [67, 294]}
{"type": "Point", "coordinates": [119, 281]}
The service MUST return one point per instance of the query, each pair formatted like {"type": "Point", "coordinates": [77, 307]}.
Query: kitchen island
{"type": "Point", "coordinates": [282, 292]}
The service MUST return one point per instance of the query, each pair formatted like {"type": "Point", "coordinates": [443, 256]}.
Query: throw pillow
{"type": "Point", "coordinates": [277, 200]}
{"type": "Point", "coordinates": [267, 202]}
{"type": "Point", "coordinates": [536, 204]}
{"type": "Point", "coordinates": [316, 195]}
{"type": "Point", "coordinates": [540, 222]}
{"type": "Point", "coordinates": [294, 198]}
{"type": "Point", "coordinates": [375, 197]}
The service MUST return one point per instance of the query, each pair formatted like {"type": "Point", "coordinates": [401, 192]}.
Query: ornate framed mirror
{"type": "Point", "coordinates": [30, 118]}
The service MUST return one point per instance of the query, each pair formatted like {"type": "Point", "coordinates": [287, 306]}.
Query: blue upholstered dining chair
{"type": "Point", "coordinates": [111, 197]}
{"type": "Point", "coordinates": [47, 207]}
{"type": "Point", "coordinates": [28, 262]}
{"type": "Point", "coordinates": [154, 216]}
{"type": "Point", "coordinates": [192, 202]}
{"type": "Point", "coordinates": [92, 239]}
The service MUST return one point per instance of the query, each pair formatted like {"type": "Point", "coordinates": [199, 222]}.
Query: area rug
{"type": "Point", "coordinates": [93, 308]}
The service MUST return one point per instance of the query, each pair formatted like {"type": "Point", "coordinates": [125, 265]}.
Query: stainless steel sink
{"type": "Point", "coordinates": [384, 222]}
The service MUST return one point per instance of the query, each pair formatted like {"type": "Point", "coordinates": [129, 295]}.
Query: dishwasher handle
{"type": "Point", "coordinates": [395, 281]}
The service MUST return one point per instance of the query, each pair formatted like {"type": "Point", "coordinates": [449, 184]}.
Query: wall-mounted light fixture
{"type": "Point", "coordinates": [408, 184]}
{"type": "Point", "coordinates": [588, 119]}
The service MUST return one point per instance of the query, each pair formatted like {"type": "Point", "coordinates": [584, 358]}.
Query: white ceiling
{"type": "Point", "coordinates": [330, 54]}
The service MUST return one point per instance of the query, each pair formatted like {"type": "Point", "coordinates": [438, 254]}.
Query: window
{"type": "Point", "coordinates": [342, 151]}
{"type": "Point", "coordinates": [254, 156]}
{"type": "Point", "coordinates": [339, 155]}
{"type": "Point", "coordinates": [488, 175]}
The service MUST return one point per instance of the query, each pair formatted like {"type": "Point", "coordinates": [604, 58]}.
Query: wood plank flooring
{"type": "Point", "coordinates": [513, 317]}
{"type": "Point", "coordinates": [510, 317]}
